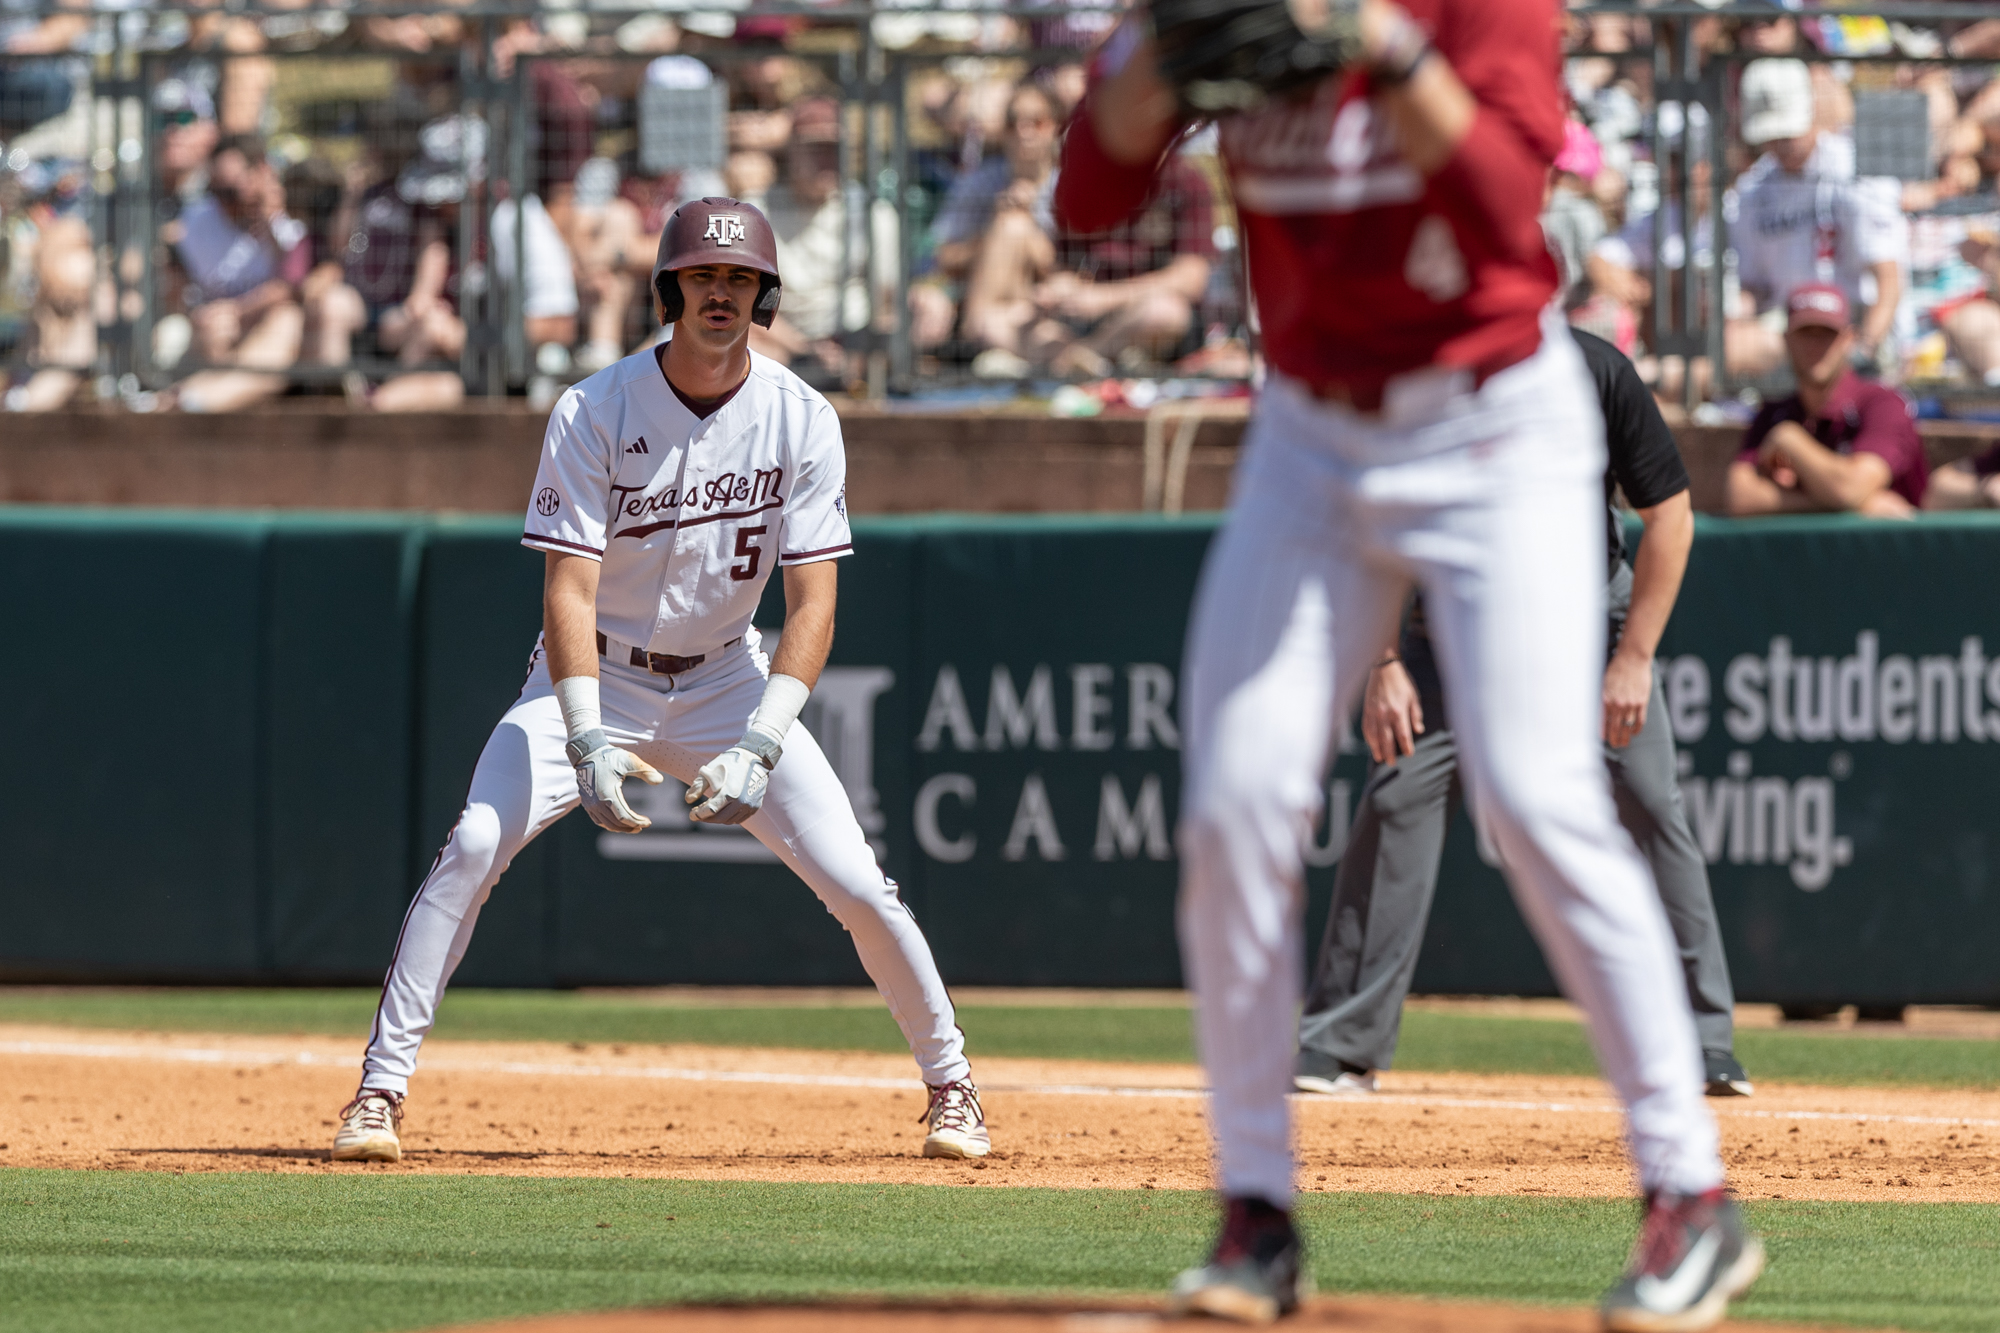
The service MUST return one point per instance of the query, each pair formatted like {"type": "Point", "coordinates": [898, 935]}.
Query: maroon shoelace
{"type": "Point", "coordinates": [953, 1105]}
{"type": "Point", "coordinates": [373, 1116]}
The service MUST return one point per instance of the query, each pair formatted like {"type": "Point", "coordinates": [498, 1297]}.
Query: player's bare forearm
{"type": "Point", "coordinates": [569, 615]}
{"type": "Point", "coordinates": [810, 593]}
{"type": "Point", "coordinates": [1433, 111]}
{"type": "Point", "coordinates": [1658, 567]}
{"type": "Point", "coordinates": [1133, 112]}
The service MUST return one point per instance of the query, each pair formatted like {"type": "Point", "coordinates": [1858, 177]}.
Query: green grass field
{"type": "Point", "coordinates": [1467, 1043]}
{"type": "Point", "coordinates": [110, 1252]}
{"type": "Point", "coordinates": [82, 1252]}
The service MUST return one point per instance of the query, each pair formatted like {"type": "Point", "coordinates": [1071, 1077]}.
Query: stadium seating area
{"type": "Point", "coordinates": [202, 208]}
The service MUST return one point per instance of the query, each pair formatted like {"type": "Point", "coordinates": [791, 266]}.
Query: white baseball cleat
{"type": "Point", "coordinates": [368, 1128]}
{"type": "Point", "coordinates": [958, 1126]}
{"type": "Point", "coordinates": [1348, 1084]}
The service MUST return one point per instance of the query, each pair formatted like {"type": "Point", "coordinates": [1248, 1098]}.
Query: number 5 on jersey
{"type": "Point", "coordinates": [745, 546]}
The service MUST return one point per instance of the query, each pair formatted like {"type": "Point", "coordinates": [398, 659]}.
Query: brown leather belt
{"type": "Point", "coordinates": [662, 664]}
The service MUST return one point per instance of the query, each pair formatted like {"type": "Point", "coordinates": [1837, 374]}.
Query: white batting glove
{"type": "Point", "coordinates": [730, 787]}
{"type": "Point", "coordinates": [601, 770]}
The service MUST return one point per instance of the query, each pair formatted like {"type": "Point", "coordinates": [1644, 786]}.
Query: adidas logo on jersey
{"type": "Point", "coordinates": [724, 228]}
{"type": "Point", "coordinates": [637, 446]}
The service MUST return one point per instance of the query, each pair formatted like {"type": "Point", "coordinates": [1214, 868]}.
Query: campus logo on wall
{"type": "Point", "coordinates": [1084, 796]}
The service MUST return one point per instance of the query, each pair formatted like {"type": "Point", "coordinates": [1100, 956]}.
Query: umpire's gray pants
{"type": "Point", "coordinates": [1382, 894]}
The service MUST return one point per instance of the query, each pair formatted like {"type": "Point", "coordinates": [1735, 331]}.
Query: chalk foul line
{"type": "Point", "coordinates": [451, 1064]}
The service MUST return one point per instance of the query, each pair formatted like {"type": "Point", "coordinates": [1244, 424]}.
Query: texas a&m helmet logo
{"type": "Point", "coordinates": [724, 228]}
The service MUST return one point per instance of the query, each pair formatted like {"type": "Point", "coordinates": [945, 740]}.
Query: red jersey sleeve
{"type": "Point", "coordinates": [1093, 192]}
{"type": "Point", "coordinates": [1506, 54]}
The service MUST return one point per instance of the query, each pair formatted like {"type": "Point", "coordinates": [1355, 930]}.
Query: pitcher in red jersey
{"type": "Point", "coordinates": [1427, 421]}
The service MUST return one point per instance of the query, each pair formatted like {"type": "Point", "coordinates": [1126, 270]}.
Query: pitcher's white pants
{"type": "Point", "coordinates": [1491, 499]}
{"type": "Point", "coordinates": [524, 783]}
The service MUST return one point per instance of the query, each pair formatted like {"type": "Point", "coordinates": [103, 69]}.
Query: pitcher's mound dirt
{"type": "Point", "coordinates": [1345, 1314]}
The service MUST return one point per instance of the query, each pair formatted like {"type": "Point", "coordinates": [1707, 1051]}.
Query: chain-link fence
{"type": "Point", "coordinates": [211, 207]}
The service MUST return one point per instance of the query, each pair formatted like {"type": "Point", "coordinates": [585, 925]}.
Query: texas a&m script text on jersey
{"type": "Point", "coordinates": [689, 514]}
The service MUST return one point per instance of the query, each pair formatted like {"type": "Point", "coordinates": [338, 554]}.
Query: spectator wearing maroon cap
{"type": "Point", "coordinates": [1841, 443]}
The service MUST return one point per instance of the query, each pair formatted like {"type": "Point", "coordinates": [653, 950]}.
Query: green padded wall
{"type": "Point", "coordinates": [133, 795]}
{"type": "Point", "coordinates": [240, 739]}
{"type": "Point", "coordinates": [340, 607]}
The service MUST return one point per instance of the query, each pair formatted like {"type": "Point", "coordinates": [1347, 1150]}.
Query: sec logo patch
{"type": "Point", "coordinates": [548, 501]}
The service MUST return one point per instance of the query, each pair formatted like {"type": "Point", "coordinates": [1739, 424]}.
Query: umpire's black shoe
{"type": "Point", "coordinates": [1693, 1256]}
{"type": "Point", "coordinates": [1725, 1077]}
{"type": "Point", "coordinates": [1253, 1276]}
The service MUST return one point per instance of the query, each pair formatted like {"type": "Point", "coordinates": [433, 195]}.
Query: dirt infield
{"type": "Point", "coordinates": [149, 1101]}
{"type": "Point", "coordinates": [1347, 1314]}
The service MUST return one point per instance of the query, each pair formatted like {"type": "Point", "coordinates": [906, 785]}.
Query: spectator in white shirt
{"type": "Point", "coordinates": [821, 237]}
{"type": "Point", "coordinates": [1802, 216]}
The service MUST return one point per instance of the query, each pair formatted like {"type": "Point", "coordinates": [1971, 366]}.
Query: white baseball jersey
{"type": "Point", "coordinates": [1822, 225]}
{"type": "Point", "coordinates": [689, 514]}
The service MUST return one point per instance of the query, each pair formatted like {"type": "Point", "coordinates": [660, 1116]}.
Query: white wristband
{"type": "Point", "coordinates": [580, 708]}
{"type": "Point", "coordinates": [784, 696]}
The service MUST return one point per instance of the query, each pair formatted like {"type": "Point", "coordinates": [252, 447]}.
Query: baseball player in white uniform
{"type": "Point", "coordinates": [671, 484]}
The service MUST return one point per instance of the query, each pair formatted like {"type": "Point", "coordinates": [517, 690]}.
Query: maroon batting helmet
{"type": "Point", "coordinates": [717, 231]}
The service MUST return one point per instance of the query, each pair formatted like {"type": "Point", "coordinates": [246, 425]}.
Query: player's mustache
{"type": "Point", "coordinates": [718, 304]}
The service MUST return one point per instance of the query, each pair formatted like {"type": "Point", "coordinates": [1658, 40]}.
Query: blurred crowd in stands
{"type": "Point", "coordinates": [1860, 241]}
{"type": "Point", "coordinates": [327, 212]}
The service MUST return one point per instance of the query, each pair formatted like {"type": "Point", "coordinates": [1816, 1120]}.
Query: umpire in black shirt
{"type": "Point", "coordinates": [1382, 892]}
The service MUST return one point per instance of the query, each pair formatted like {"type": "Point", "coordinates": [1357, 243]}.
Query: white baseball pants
{"type": "Point", "coordinates": [524, 783]}
{"type": "Point", "coordinates": [1492, 499]}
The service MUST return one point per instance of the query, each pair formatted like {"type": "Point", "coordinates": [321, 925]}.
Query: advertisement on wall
{"type": "Point", "coordinates": [1010, 739]}
{"type": "Point", "coordinates": [1002, 709]}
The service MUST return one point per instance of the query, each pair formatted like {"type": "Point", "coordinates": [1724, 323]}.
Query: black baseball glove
{"type": "Point", "coordinates": [1230, 55]}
